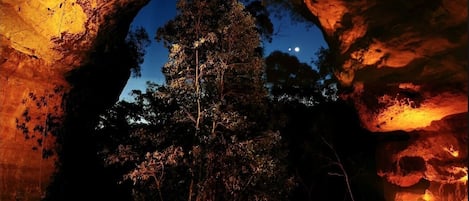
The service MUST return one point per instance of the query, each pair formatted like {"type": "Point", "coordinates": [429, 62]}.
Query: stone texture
{"type": "Point", "coordinates": [405, 60]}
{"type": "Point", "coordinates": [41, 43]}
{"type": "Point", "coordinates": [398, 55]}
{"type": "Point", "coordinates": [405, 65]}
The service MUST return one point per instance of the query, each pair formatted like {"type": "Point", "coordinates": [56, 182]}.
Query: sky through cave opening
{"type": "Point", "coordinates": [300, 39]}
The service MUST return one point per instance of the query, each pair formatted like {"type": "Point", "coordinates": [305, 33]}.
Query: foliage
{"type": "Point", "coordinates": [326, 63]}
{"type": "Point", "coordinates": [295, 9]}
{"type": "Point", "coordinates": [136, 42]}
{"type": "Point", "coordinates": [212, 133]}
{"type": "Point", "coordinates": [290, 80]}
{"type": "Point", "coordinates": [204, 135]}
{"type": "Point", "coordinates": [286, 76]}
{"type": "Point", "coordinates": [137, 123]}
{"type": "Point", "coordinates": [263, 23]}
{"type": "Point", "coordinates": [327, 148]}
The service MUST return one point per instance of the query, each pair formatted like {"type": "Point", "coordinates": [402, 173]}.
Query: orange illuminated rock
{"type": "Point", "coordinates": [41, 41]}
{"type": "Point", "coordinates": [406, 65]}
{"type": "Point", "coordinates": [382, 44]}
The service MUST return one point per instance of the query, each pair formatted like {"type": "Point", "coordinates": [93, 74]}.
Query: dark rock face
{"type": "Point", "coordinates": [406, 65]}
{"type": "Point", "coordinates": [45, 47]}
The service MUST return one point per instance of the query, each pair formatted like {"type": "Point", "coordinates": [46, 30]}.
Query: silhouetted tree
{"type": "Point", "coordinates": [263, 23]}
{"type": "Point", "coordinates": [326, 63]}
{"type": "Point", "coordinates": [295, 9]}
{"type": "Point", "coordinates": [136, 42]}
{"type": "Point", "coordinates": [287, 76]}
{"type": "Point", "coordinates": [290, 80]}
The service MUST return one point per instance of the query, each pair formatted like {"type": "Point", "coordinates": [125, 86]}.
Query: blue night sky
{"type": "Point", "coordinates": [158, 12]}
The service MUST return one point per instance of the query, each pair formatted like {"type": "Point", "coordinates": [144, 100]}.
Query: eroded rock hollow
{"type": "Point", "coordinates": [406, 65]}
{"type": "Point", "coordinates": [43, 44]}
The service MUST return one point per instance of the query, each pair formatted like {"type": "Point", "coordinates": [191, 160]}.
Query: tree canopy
{"type": "Point", "coordinates": [288, 79]}
{"type": "Point", "coordinates": [204, 135]}
{"type": "Point", "coordinates": [216, 130]}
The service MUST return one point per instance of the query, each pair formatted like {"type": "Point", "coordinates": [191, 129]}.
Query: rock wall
{"type": "Point", "coordinates": [405, 61]}
{"type": "Point", "coordinates": [42, 44]}
{"type": "Point", "coordinates": [405, 65]}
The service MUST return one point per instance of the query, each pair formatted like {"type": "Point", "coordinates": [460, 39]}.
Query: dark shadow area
{"type": "Point", "coordinates": [96, 86]}
{"type": "Point", "coordinates": [307, 129]}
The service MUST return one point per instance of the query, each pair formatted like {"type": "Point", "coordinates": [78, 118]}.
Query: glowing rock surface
{"type": "Point", "coordinates": [406, 63]}
{"type": "Point", "coordinates": [40, 42]}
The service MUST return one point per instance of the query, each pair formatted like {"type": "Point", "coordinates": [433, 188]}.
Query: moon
{"type": "Point", "coordinates": [297, 49]}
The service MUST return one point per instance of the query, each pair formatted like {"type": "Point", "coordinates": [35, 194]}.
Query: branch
{"type": "Point", "coordinates": [335, 174]}
{"type": "Point", "coordinates": [339, 163]}
{"type": "Point", "coordinates": [157, 181]}
{"type": "Point", "coordinates": [189, 115]}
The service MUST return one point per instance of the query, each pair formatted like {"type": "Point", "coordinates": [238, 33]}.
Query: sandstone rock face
{"type": "Point", "coordinates": [40, 42]}
{"type": "Point", "coordinates": [406, 63]}
{"type": "Point", "coordinates": [410, 56]}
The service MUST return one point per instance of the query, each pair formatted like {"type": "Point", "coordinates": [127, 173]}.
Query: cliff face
{"type": "Point", "coordinates": [406, 63]}
{"type": "Point", "coordinates": [42, 45]}
{"type": "Point", "coordinates": [410, 56]}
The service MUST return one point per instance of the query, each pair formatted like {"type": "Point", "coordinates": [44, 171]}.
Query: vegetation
{"type": "Point", "coordinates": [205, 134]}
{"type": "Point", "coordinates": [230, 125]}
{"type": "Point", "coordinates": [290, 80]}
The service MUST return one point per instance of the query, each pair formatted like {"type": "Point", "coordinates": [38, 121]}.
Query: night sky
{"type": "Point", "coordinates": [288, 36]}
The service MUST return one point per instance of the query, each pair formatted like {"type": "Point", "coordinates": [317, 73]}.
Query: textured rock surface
{"type": "Point", "coordinates": [411, 57]}
{"type": "Point", "coordinates": [406, 63]}
{"type": "Point", "coordinates": [40, 43]}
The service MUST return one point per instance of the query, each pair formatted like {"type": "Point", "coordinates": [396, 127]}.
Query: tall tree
{"type": "Point", "coordinates": [217, 144]}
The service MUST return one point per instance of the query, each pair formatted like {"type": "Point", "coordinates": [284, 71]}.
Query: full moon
{"type": "Point", "coordinates": [297, 49]}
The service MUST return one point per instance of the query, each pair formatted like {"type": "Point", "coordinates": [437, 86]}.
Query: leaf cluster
{"type": "Point", "coordinates": [136, 42]}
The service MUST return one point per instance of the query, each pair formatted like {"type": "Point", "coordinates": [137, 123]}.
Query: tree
{"type": "Point", "coordinates": [214, 142]}
{"type": "Point", "coordinates": [290, 80]}
{"type": "Point", "coordinates": [129, 130]}
{"type": "Point", "coordinates": [286, 76]}
{"type": "Point", "coordinates": [295, 9]}
{"type": "Point", "coordinates": [263, 23]}
{"type": "Point", "coordinates": [327, 147]}
{"type": "Point", "coordinates": [136, 42]}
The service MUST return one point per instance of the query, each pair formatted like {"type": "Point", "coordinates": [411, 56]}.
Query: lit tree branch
{"type": "Point", "coordinates": [340, 165]}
